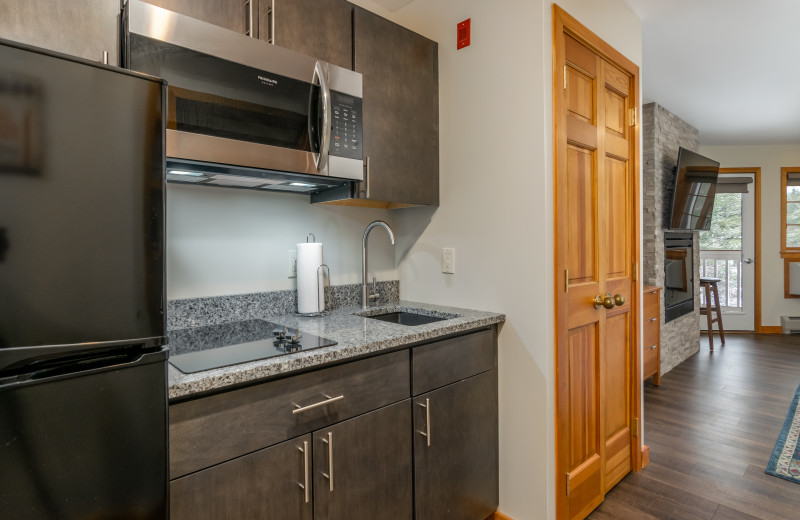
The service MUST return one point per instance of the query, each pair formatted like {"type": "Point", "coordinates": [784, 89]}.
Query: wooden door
{"type": "Point", "coordinates": [322, 29]}
{"type": "Point", "coordinates": [597, 233]}
{"type": "Point", "coordinates": [455, 450]}
{"type": "Point", "coordinates": [267, 484]}
{"type": "Point", "coordinates": [369, 460]}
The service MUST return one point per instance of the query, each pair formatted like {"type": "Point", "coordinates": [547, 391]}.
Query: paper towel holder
{"type": "Point", "coordinates": [326, 272]}
{"type": "Point", "coordinates": [313, 239]}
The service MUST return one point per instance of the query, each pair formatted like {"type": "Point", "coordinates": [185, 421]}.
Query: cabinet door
{"type": "Point", "coordinates": [401, 110]}
{"type": "Point", "coordinates": [263, 485]}
{"type": "Point", "coordinates": [362, 467]}
{"type": "Point", "coordinates": [84, 29]}
{"type": "Point", "coordinates": [456, 450]}
{"type": "Point", "coordinates": [322, 29]}
{"type": "Point", "coordinates": [230, 14]}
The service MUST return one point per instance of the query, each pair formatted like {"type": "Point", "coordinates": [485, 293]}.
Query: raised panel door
{"type": "Point", "coordinates": [595, 230]}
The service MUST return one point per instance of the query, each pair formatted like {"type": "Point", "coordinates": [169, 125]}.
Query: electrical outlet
{"type": "Point", "coordinates": [293, 263]}
{"type": "Point", "coordinates": [448, 260]}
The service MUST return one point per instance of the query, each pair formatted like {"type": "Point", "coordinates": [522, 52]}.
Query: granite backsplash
{"type": "Point", "coordinates": [198, 312]}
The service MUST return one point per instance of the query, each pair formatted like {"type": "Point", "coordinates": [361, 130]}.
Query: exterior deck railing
{"type": "Point", "coordinates": [727, 266]}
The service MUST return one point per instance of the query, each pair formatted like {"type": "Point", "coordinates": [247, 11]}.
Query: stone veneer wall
{"type": "Point", "coordinates": [662, 134]}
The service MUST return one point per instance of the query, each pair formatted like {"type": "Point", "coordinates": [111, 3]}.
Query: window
{"type": "Point", "coordinates": [790, 205]}
{"type": "Point", "coordinates": [790, 230]}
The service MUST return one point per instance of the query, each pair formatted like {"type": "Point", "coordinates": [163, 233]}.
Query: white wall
{"type": "Point", "coordinates": [229, 241]}
{"type": "Point", "coordinates": [770, 159]}
{"type": "Point", "coordinates": [496, 209]}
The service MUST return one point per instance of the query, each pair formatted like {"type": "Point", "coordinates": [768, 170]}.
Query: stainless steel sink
{"type": "Point", "coordinates": [406, 315]}
{"type": "Point", "coordinates": [405, 318]}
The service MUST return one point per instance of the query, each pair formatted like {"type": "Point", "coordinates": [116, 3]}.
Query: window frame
{"type": "Point", "coordinates": [784, 202]}
{"type": "Point", "coordinates": [789, 254]}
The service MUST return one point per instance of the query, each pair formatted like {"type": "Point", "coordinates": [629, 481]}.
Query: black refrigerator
{"type": "Point", "coordinates": [83, 403]}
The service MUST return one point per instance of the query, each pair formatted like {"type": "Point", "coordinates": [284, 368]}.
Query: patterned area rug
{"type": "Point", "coordinates": [785, 460]}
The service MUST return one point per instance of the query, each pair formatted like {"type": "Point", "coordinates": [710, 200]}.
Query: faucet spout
{"type": "Point", "coordinates": [364, 291]}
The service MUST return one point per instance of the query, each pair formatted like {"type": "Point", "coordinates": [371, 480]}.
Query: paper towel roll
{"type": "Point", "coordinates": [310, 281]}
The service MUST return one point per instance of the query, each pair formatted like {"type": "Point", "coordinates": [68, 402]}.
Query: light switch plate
{"type": "Point", "coordinates": [448, 260]}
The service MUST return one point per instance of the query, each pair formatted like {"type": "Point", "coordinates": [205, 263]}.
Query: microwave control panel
{"type": "Point", "coordinates": [346, 126]}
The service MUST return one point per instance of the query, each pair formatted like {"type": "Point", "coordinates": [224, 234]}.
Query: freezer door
{"type": "Point", "coordinates": [86, 444]}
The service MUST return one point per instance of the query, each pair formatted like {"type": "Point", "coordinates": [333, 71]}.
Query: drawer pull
{"type": "Point", "coordinates": [654, 318]}
{"type": "Point", "coordinates": [652, 347]}
{"type": "Point", "coordinates": [305, 485]}
{"type": "Point", "coordinates": [427, 432]}
{"type": "Point", "coordinates": [329, 474]}
{"type": "Point", "coordinates": [329, 400]}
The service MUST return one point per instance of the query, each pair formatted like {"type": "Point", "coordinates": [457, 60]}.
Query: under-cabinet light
{"type": "Point", "coordinates": [185, 172]}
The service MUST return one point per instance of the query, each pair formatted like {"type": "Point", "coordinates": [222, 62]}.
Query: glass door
{"type": "Point", "coordinates": [727, 251]}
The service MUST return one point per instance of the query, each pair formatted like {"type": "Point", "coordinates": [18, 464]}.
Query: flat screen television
{"type": "Point", "coordinates": [694, 188]}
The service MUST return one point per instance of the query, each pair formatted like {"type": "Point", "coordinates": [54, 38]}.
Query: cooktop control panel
{"type": "Point", "coordinates": [346, 126]}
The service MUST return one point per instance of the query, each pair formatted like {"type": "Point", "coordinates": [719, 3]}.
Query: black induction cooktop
{"type": "Point", "coordinates": [215, 346]}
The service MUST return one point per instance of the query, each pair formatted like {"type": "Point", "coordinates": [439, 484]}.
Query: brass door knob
{"type": "Point", "coordinates": [619, 300]}
{"type": "Point", "coordinates": [604, 301]}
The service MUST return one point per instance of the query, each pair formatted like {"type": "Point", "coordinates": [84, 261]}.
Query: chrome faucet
{"type": "Point", "coordinates": [364, 297]}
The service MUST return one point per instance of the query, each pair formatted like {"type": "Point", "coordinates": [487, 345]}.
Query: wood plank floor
{"type": "Point", "coordinates": [711, 427]}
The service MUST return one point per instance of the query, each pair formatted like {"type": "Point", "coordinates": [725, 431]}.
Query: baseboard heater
{"type": "Point", "coordinates": [790, 324]}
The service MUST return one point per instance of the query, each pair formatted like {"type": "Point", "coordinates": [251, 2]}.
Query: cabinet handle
{"type": "Point", "coordinates": [652, 347]}
{"type": "Point", "coordinates": [271, 17]}
{"type": "Point", "coordinates": [365, 191]}
{"type": "Point", "coordinates": [654, 318]}
{"type": "Point", "coordinates": [329, 474]}
{"type": "Point", "coordinates": [329, 400]}
{"type": "Point", "coordinates": [305, 485]}
{"type": "Point", "coordinates": [105, 57]}
{"type": "Point", "coordinates": [249, 18]}
{"type": "Point", "coordinates": [427, 432]}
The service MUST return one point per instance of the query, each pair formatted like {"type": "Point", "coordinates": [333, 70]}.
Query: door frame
{"type": "Point", "coordinates": [565, 23]}
{"type": "Point", "coordinates": [756, 171]}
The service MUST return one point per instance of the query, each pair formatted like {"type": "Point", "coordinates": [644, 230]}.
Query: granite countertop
{"type": "Point", "coordinates": [355, 336]}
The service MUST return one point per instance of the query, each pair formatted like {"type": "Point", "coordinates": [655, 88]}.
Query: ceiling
{"type": "Point", "coordinates": [730, 68]}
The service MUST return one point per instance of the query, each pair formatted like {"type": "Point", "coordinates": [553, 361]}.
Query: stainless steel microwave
{"type": "Point", "coordinates": [242, 112]}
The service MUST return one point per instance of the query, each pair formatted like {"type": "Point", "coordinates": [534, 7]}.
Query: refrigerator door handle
{"type": "Point", "coordinates": [23, 359]}
{"type": "Point", "coordinates": [69, 367]}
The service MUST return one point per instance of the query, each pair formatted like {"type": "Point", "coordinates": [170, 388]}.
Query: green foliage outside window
{"type": "Point", "coordinates": [726, 224]}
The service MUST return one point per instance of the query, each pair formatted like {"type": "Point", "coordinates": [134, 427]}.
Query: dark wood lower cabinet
{"type": "Point", "coordinates": [369, 460]}
{"type": "Point", "coordinates": [378, 452]}
{"type": "Point", "coordinates": [456, 450]}
{"type": "Point", "coordinates": [264, 484]}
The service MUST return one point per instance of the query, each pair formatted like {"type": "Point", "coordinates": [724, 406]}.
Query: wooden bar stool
{"type": "Point", "coordinates": [709, 285]}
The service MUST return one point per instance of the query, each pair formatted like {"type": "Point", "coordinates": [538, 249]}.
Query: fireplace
{"type": "Point", "coordinates": [678, 275]}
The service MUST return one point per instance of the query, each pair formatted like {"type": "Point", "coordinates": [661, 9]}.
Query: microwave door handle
{"type": "Point", "coordinates": [325, 135]}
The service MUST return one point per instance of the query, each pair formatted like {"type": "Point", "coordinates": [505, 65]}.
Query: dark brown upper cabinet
{"type": "Point", "coordinates": [85, 29]}
{"type": "Point", "coordinates": [319, 28]}
{"type": "Point", "coordinates": [401, 113]}
{"type": "Point", "coordinates": [230, 14]}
